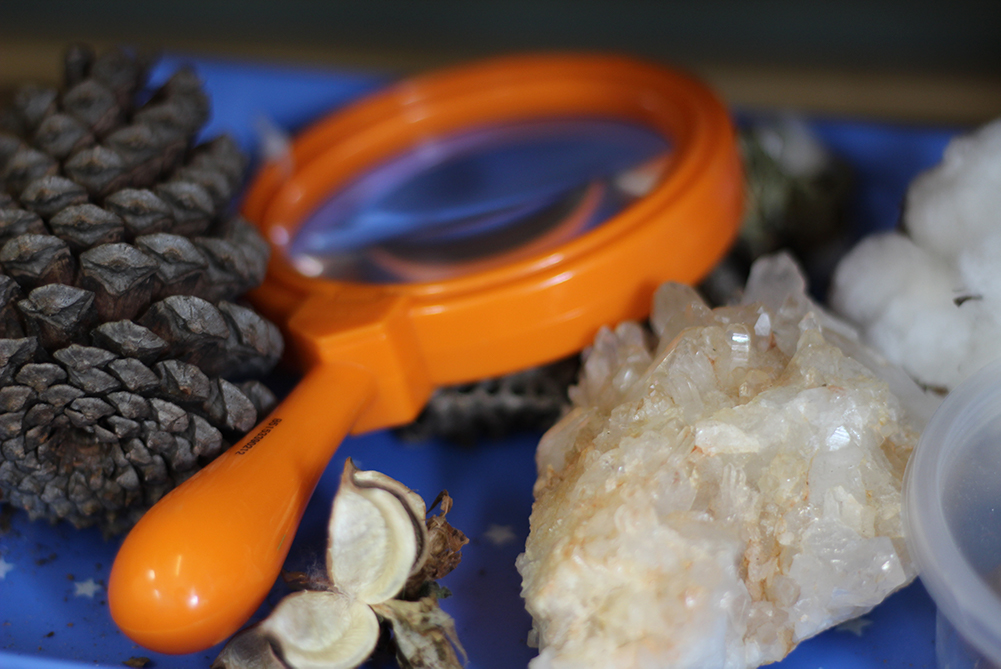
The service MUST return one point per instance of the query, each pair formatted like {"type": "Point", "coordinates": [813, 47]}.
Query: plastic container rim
{"type": "Point", "coordinates": [961, 594]}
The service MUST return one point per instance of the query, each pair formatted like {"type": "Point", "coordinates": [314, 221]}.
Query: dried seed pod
{"type": "Point", "coordinates": [35, 260]}
{"type": "Point", "coordinates": [250, 648]}
{"type": "Point", "coordinates": [377, 539]}
{"type": "Point", "coordinates": [27, 164]}
{"type": "Point", "coordinates": [95, 105]}
{"type": "Point", "coordinates": [15, 222]}
{"type": "Point", "coordinates": [98, 169]}
{"type": "Point", "coordinates": [62, 135]}
{"type": "Point", "coordinates": [392, 516]}
{"type": "Point", "coordinates": [315, 628]}
{"type": "Point", "coordinates": [50, 194]}
{"type": "Point", "coordinates": [58, 314]}
{"type": "Point", "coordinates": [121, 278]}
{"type": "Point", "coordinates": [85, 225]}
{"type": "Point", "coordinates": [142, 211]}
{"type": "Point", "coordinates": [422, 632]}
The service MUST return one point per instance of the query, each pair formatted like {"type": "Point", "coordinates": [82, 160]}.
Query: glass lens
{"type": "Point", "coordinates": [472, 201]}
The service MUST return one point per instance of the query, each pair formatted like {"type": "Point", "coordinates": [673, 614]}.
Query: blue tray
{"type": "Point", "coordinates": [53, 608]}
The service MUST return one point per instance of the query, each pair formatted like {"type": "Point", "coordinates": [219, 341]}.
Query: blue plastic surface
{"type": "Point", "coordinates": [53, 611]}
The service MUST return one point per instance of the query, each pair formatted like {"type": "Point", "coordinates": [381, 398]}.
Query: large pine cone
{"type": "Point", "coordinates": [125, 365]}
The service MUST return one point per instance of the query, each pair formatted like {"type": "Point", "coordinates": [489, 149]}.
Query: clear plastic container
{"type": "Point", "coordinates": [952, 513]}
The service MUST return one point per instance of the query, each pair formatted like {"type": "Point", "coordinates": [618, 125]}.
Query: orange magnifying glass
{"type": "Point", "coordinates": [201, 561]}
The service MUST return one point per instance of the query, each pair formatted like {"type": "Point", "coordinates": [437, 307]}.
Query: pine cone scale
{"type": "Point", "coordinates": [118, 270]}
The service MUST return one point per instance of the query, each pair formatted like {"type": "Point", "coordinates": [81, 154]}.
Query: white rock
{"type": "Point", "coordinates": [718, 493]}
{"type": "Point", "coordinates": [955, 204]}
{"type": "Point", "coordinates": [929, 298]}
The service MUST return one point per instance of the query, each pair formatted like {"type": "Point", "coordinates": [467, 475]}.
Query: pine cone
{"type": "Point", "coordinates": [125, 364]}
{"type": "Point", "coordinates": [533, 399]}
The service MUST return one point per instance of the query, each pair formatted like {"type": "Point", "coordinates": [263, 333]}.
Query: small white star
{"type": "Point", "coordinates": [855, 626]}
{"type": "Point", "coordinates": [86, 588]}
{"type": "Point", "coordinates": [499, 535]}
{"type": "Point", "coordinates": [4, 568]}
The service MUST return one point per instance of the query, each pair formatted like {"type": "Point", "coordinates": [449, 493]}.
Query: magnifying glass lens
{"type": "Point", "coordinates": [477, 199]}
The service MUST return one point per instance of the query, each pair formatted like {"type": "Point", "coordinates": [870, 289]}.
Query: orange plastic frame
{"type": "Point", "coordinates": [200, 562]}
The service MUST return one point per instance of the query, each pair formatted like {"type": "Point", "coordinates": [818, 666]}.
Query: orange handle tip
{"type": "Point", "coordinates": [202, 560]}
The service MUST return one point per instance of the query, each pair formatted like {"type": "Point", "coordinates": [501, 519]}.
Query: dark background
{"type": "Point", "coordinates": [921, 60]}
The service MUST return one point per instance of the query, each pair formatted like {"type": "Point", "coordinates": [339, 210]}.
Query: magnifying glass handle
{"type": "Point", "coordinates": [202, 560]}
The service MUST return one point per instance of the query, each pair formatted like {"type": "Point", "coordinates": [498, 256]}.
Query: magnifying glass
{"type": "Point", "coordinates": [457, 226]}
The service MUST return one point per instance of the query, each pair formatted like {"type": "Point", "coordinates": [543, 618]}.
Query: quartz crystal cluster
{"type": "Point", "coordinates": [724, 487]}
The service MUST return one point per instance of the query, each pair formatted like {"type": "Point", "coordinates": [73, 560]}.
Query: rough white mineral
{"type": "Point", "coordinates": [722, 489]}
{"type": "Point", "coordinates": [928, 297]}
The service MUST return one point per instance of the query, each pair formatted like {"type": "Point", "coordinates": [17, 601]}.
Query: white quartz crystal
{"type": "Point", "coordinates": [723, 488]}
